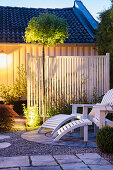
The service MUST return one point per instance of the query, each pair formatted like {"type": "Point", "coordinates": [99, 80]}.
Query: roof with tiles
{"type": "Point", "coordinates": [14, 20]}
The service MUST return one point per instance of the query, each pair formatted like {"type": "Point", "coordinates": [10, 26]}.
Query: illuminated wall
{"type": "Point", "coordinates": [16, 54]}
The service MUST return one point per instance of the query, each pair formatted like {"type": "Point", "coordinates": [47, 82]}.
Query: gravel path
{"type": "Point", "coordinates": [20, 146]}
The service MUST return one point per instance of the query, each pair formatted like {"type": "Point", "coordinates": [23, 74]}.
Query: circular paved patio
{"type": "Point", "coordinates": [70, 139]}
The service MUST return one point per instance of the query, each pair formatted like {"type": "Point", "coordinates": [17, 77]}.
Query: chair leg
{"type": "Point", "coordinates": [39, 129]}
{"type": "Point", "coordinates": [73, 129]}
{"type": "Point", "coordinates": [95, 129]}
{"type": "Point", "coordinates": [81, 132]}
{"type": "Point", "coordinates": [85, 133]}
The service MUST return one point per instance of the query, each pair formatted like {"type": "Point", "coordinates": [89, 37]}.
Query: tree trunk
{"type": "Point", "coordinates": [43, 52]}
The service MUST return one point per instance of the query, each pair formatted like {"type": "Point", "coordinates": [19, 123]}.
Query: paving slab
{"type": "Point", "coordinates": [74, 166]}
{"type": "Point", "coordinates": [66, 159]}
{"type": "Point", "coordinates": [41, 168]}
{"type": "Point", "coordinates": [93, 159]}
{"type": "Point", "coordinates": [9, 162]}
{"type": "Point", "coordinates": [4, 137]}
{"type": "Point", "coordinates": [98, 167]}
{"type": "Point", "coordinates": [4, 145]}
{"type": "Point", "coordinates": [68, 162]}
{"type": "Point", "coordinates": [10, 169]}
{"type": "Point", "coordinates": [43, 160]}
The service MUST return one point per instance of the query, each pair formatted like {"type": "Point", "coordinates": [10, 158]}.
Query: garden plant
{"type": "Point", "coordinates": [46, 30]}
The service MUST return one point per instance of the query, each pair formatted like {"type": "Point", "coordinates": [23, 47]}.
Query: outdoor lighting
{"type": "Point", "coordinates": [5, 60]}
{"type": "Point", "coordinates": [32, 115]}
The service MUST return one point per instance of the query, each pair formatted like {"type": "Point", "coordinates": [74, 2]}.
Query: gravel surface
{"type": "Point", "coordinates": [20, 146]}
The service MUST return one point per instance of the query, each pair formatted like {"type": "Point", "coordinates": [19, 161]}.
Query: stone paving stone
{"type": "Point", "coordinates": [4, 137]}
{"type": "Point", "coordinates": [98, 167]}
{"type": "Point", "coordinates": [68, 162]}
{"type": "Point", "coordinates": [4, 145]}
{"type": "Point", "coordinates": [10, 162]}
{"type": "Point", "coordinates": [66, 159]}
{"type": "Point", "coordinates": [41, 168]}
{"type": "Point", "coordinates": [10, 169]}
{"type": "Point", "coordinates": [93, 159]}
{"type": "Point", "coordinates": [43, 160]}
{"type": "Point", "coordinates": [74, 166]}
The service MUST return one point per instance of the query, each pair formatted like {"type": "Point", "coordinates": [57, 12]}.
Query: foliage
{"type": "Point", "coordinates": [20, 84]}
{"type": "Point", "coordinates": [7, 115]}
{"type": "Point", "coordinates": [104, 36]}
{"type": "Point", "coordinates": [104, 139]}
{"type": "Point", "coordinates": [61, 104]}
{"type": "Point", "coordinates": [32, 115]}
{"type": "Point", "coordinates": [9, 93]}
{"type": "Point", "coordinates": [112, 13]}
{"type": "Point", "coordinates": [104, 33]}
{"type": "Point", "coordinates": [47, 29]}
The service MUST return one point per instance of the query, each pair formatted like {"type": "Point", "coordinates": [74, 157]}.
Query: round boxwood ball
{"type": "Point", "coordinates": [104, 139]}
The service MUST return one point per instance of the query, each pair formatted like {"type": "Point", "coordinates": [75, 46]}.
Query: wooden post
{"type": "Point", "coordinates": [108, 70]}
{"type": "Point", "coordinates": [28, 80]}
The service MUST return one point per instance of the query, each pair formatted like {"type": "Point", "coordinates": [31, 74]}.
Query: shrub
{"type": "Point", "coordinates": [104, 139]}
{"type": "Point", "coordinates": [59, 106]}
{"type": "Point", "coordinates": [11, 94]}
{"type": "Point", "coordinates": [7, 115]}
{"type": "Point", "coordinates": [32, 115]}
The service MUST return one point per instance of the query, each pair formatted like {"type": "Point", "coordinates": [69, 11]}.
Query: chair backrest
{"type": "Point", "coordinates": [108, 97]}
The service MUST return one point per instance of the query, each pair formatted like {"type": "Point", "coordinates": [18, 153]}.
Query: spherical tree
{"type": "Point", "coordinates": [46, 30]}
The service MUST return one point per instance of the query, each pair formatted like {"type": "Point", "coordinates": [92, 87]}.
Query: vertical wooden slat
{"type": "Point", "coordinates": [65, 77]}
{"type": "Point", "coordinates": [75, 79]}
{"type": "Point", "coordinates": [100, 76]}
{"type": "Point", "coordinates": [108, 70]}
{"type": "Point", "coordinates": [36, 72]}
{"type": "Point", "coordinates": [97, 75]}
{"type": "Point", "coordinates": [105, 78]}
{"type": "Point", "coordinates": [77, 76]}
{"type": "Point", "coordinates": [28, 80]}
{"type": "Point", "coordinates": [31, 81]}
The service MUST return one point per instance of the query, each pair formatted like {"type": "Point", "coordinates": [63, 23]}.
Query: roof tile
{"type": "Point", "coordinates": [14, 20]}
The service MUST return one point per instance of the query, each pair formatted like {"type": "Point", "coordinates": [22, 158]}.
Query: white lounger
{"type": "Point", "coordinates": [57, 121]}
{"type": "Point", "coordinates": [71, 126]}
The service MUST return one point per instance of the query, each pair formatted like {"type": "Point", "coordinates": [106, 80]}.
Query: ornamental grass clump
{"type": "Point", "coordinates": [32, 115]}
{"type": "Point", "coordinates": [104, 139]}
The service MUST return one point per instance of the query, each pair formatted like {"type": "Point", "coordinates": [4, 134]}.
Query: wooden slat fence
{"type": "Point", "coordinates": [70, 76]}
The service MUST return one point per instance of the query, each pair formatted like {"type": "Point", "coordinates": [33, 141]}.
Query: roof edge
{"type": "Point", "coordinates": [85, 17]}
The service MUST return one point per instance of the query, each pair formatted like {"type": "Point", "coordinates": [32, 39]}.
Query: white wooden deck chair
{"type": "Point", "coordinates": [106, 101]}
{"type": "Point", "coordinates": [71, 126]}
{"type": "Point", "coordinates": [99, 119]}
{"type": "Point", "coordinates": [57, 121]}
{"type": "Point", "coordinates": [94, 115]}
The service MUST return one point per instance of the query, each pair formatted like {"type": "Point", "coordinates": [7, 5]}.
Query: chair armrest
{"type": "Point", "coordinates": [83, 105]}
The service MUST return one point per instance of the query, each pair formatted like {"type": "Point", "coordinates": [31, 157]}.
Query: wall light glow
{"type": "Point", "coordinates": [5, 60]}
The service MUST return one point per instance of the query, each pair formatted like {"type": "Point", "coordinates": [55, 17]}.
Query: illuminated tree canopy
{"type": "Point", "coordinates": [47, 29]}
